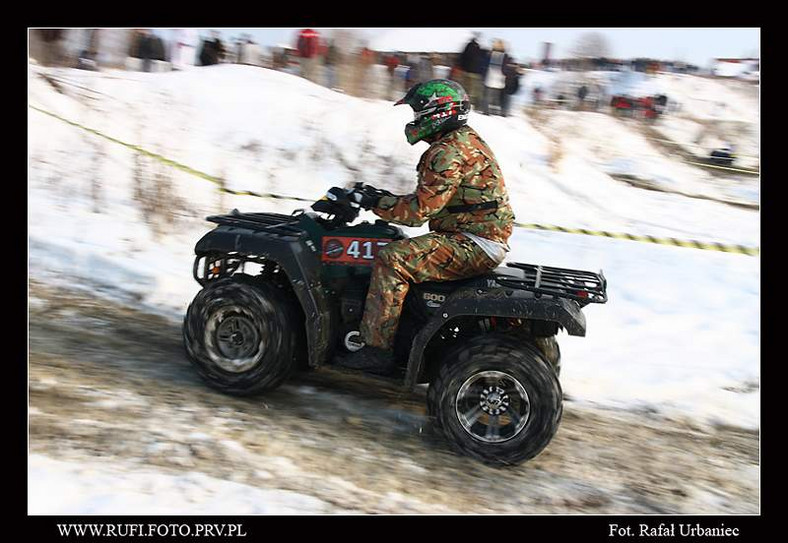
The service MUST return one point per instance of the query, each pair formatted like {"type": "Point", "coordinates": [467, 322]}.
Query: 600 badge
{"type": "Point", "coordinates": [351, 250]}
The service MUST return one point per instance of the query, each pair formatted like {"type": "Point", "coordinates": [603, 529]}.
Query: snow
{"type": "Point", "coordinates": [680, 327]}
{"type": "Point", "coordinates": [58, 487]}
{"type": "Point", "coordinates": [693, 102]}
{"type": "Point", "coordinates": [217, 113]}
{"type": "Point", "coordinates": [734, 69]}
{"type": "Point", "coordinates": [680, 333]}
{"type": "Point", "coordinates": [418, 40]}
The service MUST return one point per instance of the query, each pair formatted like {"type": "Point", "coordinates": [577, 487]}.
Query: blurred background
{"type": "Point", "coordinates": [634, 151]}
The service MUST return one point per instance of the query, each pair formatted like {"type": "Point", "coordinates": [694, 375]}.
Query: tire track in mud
{"type": "Point", "coordinates": [111, 385]}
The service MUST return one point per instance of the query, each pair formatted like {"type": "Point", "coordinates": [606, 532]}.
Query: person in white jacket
{"type": "Point", "coordinates": [184, 48]}
{"type": "Point", "coordinates": [495, 79]}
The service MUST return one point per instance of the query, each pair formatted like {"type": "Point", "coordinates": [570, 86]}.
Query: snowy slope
{"type": "Point", "coordinates": [680, 333]}
{"type": "Point", "coordinates": [290, 134]}
{"type": "Point", "coordinates": [693, 102]}
{"type": "Point", "coordinates": [99, 489]}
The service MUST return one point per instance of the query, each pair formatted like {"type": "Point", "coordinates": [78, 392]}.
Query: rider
{"type": "Point", "coordinates": [460, 190]}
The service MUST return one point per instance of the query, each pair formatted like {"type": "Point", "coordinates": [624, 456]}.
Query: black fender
{"type": "Point", "coordinates": [497, 302]}
{"type": "Point", "coordinates": [299, 259]}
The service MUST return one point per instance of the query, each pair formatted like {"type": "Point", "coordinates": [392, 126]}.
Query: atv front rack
{"type": "Point", "coordinates": [582, 286]}
{"type": "Point", "coordinates": [273, 223]}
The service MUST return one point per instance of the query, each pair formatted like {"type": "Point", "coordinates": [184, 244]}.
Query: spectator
{"type": "Point", "coordinates": [52, 38]}
{"type": "Point", "coordinates": [455, 74]}
{"type": "Point", "coordinates": [472, 60]}
{"type": "Point", "coordinates": [410, 73]}
{"type": "Point", "coordinates": [512, 85]}
{"type": "Point", "coordinates": [423, 70]}
{"type": "Point", "coordinates": [537, 95]}
{"type": "Point", "coordinates": [233, 54]}
{"type": "Point", "coordinates": [184, 48]}
{"type": "Point", "coordinates": [308, 47]}
{"type": "Point", "coordinates": [597, 96]}
{"type": "Point", "coordinates": [495, 79]}
{"type": "Point", "coordinates": [212, 50]}
{"type": "Point", "coordinates": [148, 48]}
{"type": "Point", "coordinates": [401, 73]}
{"type": "Point", "coordinates": [159, 49]}
{"type": "Point", "coordinates": [331, 61]}
{"type": "Point", "coordinates": [88, 57]}
{"type": "Point", "coordinates": [280, 59]}
{"type": "Point", "coordinates": [364, 59]}
{"type": "Point", "coordinates": [249, 52]}
{"type": "Point", "coordinates": [391, 67]}
{"type": "Point", "coordinates": [582, 92]}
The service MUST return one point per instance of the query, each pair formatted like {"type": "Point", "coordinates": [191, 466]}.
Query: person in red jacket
{"type": "Point", "coordinates": [308, 47]}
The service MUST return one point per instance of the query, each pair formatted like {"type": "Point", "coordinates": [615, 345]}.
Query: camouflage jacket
{"type": "Point", "coordinates": [456, 170]}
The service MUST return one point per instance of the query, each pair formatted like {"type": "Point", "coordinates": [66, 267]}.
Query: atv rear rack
{"type": "Point", "coordinates": [582, 286]}
{"type": "Point", "coordinates": [273, 223]}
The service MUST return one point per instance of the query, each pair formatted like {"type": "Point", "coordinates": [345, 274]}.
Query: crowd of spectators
{"type": "Point", "coordinates": [490, 74]}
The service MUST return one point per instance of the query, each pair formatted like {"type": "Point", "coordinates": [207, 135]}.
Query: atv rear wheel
{"type": "Point", "coordinates": [496, 400]}
{"type": "Point", "coordinates": [241, 335]}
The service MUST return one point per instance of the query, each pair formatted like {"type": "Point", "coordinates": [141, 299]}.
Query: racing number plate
{"type": "Point", "coordinates": [351, 250]}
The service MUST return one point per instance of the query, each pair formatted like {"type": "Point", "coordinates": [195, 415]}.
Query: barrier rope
{"type": "Point", "coordinates": [695, 244]}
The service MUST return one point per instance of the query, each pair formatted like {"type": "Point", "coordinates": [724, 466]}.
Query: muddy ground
{"type": "Point", "coordinates": [111, 385]}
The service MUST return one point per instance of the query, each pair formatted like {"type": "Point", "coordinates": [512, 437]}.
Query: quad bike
{"type": "Point", "coordinates": [287, 292]}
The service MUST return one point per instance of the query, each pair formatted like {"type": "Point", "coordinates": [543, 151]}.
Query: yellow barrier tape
{"type": "Point", "coordinates": [177, 165]}
{"type": "Point", "coordinates": [709, 246]}
{"type": "Point", "coordinates": [694, 244]}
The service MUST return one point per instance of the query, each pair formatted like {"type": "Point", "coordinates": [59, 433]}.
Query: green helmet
{"type": "Point", "coordinates": [438, 106]}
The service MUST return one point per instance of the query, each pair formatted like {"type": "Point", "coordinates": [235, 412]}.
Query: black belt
{"type": "Point", "coordinates": [466, 208]}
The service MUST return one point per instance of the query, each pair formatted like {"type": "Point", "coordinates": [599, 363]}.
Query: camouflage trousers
{"type": "Point", "coordinates": [431, 257]}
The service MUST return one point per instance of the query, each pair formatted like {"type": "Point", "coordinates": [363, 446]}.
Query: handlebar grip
{"type": "Point", "coordinates": [336, 193]}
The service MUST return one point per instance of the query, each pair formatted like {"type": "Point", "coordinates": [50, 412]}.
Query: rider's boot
{"type": "Point", "coordinates": [369, 359]}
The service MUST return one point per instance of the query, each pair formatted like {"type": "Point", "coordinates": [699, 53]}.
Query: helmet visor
{"type": "Point", "coordinates": [418, 115]}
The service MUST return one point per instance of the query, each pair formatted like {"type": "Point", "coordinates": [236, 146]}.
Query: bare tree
{"type": "Point", "coordinates": [591, 45]}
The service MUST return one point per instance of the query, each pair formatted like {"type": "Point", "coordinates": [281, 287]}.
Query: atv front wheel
{"type": "Point", "coordinates": [241, 336]}
{"type": "Point", "coordinates": [496, 400]}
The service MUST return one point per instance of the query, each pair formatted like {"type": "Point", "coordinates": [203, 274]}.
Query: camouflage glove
{"type": "Point", "coordinates": [366, 196]}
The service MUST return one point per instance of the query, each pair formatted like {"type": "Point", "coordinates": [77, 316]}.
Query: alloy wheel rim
{"type": "Point", "coordinates": [492, 406]}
